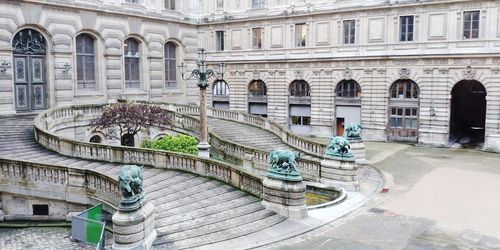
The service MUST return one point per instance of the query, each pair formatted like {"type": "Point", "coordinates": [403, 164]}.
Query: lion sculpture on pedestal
{"type": "Point", "coordinates": [338, 147]}
{"type": "Point", "coordinates": [282, 165]}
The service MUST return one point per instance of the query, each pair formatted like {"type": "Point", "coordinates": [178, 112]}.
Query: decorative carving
{"type": "Point", "coordinates": [3, 67]}
{"type": "Point", "coordinates": [29, 42]}
{"type": "Point", "coordinates": [347, 74]}
{"type": "Point", "coordinates": [368, 71]}
{"type": "Point", "coordinates": [495, 71]}
{"type": "Point", "coordinates": [299, 74]}
{"type": "Point", "coordinates": [339, 148]}
{"type": "Point", "coordinates": [282, 165]}
{"type": "Point", "coordinates": [404, 73]}
{"type": "Point", "coordinates": [469, 74]}
{"type": "Point", "coordinates": [131, 185]}
{"type": "Point", "coordinates": [256, 74]}
{"type": "Point", "coordinates": [353, 132]}
{"type": "Point", "coordinates": [443, 71]}
{"type": "Point", "coordinates": [427, 71]}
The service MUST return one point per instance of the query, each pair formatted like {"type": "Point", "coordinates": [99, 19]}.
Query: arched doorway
{"type": "Point", "coordinates": [347, 105]}
{"type": "Point", "coordinates": [30, 86]}
{"type": "Point", "coordinates": [257, 98]}
{"type": "Point", "coordinates": [95, 139]}
{"type": "Point", "coordinates": [128, 140]}
{"type": "Point", "coordinates": [468, 112]}
{"type": "Point", "coordinates": [404, 110]}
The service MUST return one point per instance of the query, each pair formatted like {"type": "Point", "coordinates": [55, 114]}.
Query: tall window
{"type": "Point", "coordinates": [471, 24]}
{"type": "Point", "coordinates": [170, 66]}
{"type": "Point", "coordinates": [170, 4]}
{"type": "Point", "coordinates": [406, 28]}
{"type": "Point", "coordinates": [132, 59]}
{"type": "Point", "coordinates": [258, 4]}
{"type": "Point", "coordinates": [219, 40]}
{"type": "Point", "coordinates": [349, 31]}
{"type": "Point", "coordinates": [132, 1]}
{"type": "Point", "coordinates": [300, 35]}
{"type": "Point", "coordinates": [85, 62]}
{"type": "Point", "coordinates": [348, 89]}
{"type": "Point", "coordinates": [257, 38]}
{"type": "Point", "coordinates": [220, 95]}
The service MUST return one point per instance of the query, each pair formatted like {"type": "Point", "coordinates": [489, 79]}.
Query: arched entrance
{"type": "Point", "coordinates": [347, 105]}
{"type": "Point", "coordinates": [220, 95]}
{"type": "Point", "coordinates": [404, 103]}
{"type": "Point", "coordinates": [257, 98]}
{"type": "Point", "coordinates": [30, 86]}
{"type": "Point", "coordinates": [300, 107]}
{"type": "Point", "coordinates": [468, 112]}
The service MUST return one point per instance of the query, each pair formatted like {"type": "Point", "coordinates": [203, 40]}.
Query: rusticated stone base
{"type": "Point", "coordinates": [287, 198]}
{"type": "Point", "coordinates": [358, 150]}
{"type": "Point", "coordinates": [339, 173]}
{"type": "Point", "coordinates": [134, 229]}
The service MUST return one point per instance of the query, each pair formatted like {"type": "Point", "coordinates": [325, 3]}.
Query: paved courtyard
{"type": "Point", "coordinates": [438, 198]}
{"type": "Point", "coordinates": [39, 238]}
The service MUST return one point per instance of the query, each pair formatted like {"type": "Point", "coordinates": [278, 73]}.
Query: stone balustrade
{"type": "Point", "coordinates": [221, 171]}
{"type": "Point", "coordinates": [53, 182]}
{"type": "Point", "coordinates": [253, 160]}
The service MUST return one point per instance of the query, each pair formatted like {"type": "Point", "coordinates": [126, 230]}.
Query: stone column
{"type": "Point", "coordinates": [203, 146]}
{"type": "Point", "coordinates": [133, 223]}
{"type": "Point", "coordinates": [284, 191]}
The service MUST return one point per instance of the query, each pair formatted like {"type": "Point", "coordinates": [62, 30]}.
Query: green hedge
{"type": "Point", "coordinates": [176, 143]}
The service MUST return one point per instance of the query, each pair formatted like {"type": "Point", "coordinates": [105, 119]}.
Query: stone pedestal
{"type": "Point", "coordinates": [358, 150]}
{"type": "Point", "coordinates": [340, 173]}
{"type": "Point", "coordinates": [287, 198]}
{"type": "Point", "coordinates": [134, 229]}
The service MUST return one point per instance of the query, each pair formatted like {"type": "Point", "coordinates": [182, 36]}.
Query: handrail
{"type": "Point", "coordinates": [219, 170]}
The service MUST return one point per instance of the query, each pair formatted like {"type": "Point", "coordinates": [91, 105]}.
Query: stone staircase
{"type": "Point", "coordinates": [190, 211]}
{"type": "Point", "coordinates": [250, 136]}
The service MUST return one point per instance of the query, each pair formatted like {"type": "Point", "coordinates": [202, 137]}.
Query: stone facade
{"type": "Point", "coordinates": [450, 41]}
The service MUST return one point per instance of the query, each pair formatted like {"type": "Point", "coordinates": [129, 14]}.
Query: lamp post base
{"type": "Point", "coordinates": [204, 149]}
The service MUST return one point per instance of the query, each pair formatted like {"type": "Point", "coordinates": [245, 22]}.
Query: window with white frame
{"type": "Point", "coordinates": [170, 4]}
{"type": "Point", "coordinates": [170, 65]}
{"type": "Point", "coordinates": [219, 40]}
{"type": "Point", "coordinates": [257, 38]}
{"type": "Point", "coordinates": [258, 4]}
{"type": "Point", "coordinates": [406, 25]}
{"type": "Point", "coordinates": [471, 24]}
{"type": "Point", "coordinates": [85, 62]}
{"type": "Point", "coordinates": [349, 31]}
{"type": "Point", "coordinates": [132, 63]}
{"type": "Point", "coordinates": [300, 35]}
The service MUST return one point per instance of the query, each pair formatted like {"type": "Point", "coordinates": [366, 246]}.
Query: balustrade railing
{"type": "Point", "coordinates": [21, 177]}
{"type": "Point", "coordinates": [219, 170]}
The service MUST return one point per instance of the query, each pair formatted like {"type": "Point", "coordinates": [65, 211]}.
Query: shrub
{"type": "Point", "coordinates": [176, 143]}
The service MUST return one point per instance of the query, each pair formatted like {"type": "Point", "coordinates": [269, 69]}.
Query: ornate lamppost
{"type": "Point", "coordinates": [202, 74]}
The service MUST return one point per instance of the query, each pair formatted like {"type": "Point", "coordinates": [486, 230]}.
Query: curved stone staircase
{"type": "Point", "coordinates": [190, 211]}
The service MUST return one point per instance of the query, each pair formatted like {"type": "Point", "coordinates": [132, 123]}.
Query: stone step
{"type": "Point", "coordinates": [164, 242]}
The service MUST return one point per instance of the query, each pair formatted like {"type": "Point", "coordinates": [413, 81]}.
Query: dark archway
{"type": "Point", "coordinates": [95, 139]}
{"type": "Point", "coordinates": [468, 112]}
{"type": "Point", "coordinates": [128, 140]}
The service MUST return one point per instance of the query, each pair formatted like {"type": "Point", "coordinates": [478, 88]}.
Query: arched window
{"type": "Point", "coordinates": [257, 88]}
{"type": "Point", "coordinates": [221, 88]}
{"type": "Point", "coordinates": [132, 63]}
{"type": "Point", "coordinates": [348, 89]}
{"type": "Point", "coordinates": [220, 95]}
{"type": "Point", "coordinates": [170, 65]}
{"type": "Point", "coordinates": [299, 88]}
{"type": "Point", "coordinates": [85, 62]}
{"type": "Point", "coordinates": [404, 89]}
{"type": "Point", "coordinates": [403, 111]}
{"type": "Point", "coordinates": [95, 139]}
{"type": "Point", "coordinates": [128, 140]}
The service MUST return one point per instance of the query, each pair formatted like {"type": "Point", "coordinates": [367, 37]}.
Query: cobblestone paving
{"type": "Point", "coordinates": [43, 238]}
